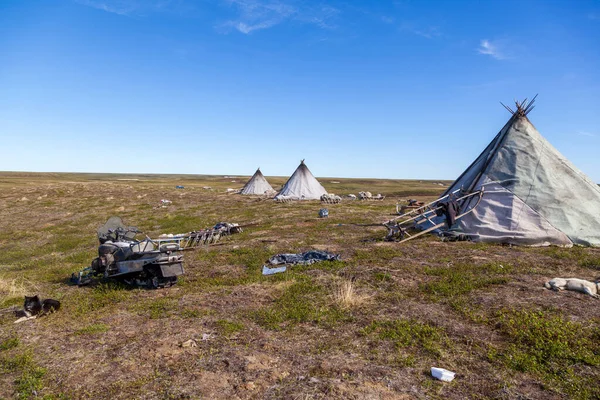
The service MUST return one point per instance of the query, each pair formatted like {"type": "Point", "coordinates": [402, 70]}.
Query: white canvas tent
{"type": "Point", "coordinates": [532, 195]}
{"type": "Point", "coordinates": [302, 185]}
{"type": "Point", "coordinates": [257, 185]}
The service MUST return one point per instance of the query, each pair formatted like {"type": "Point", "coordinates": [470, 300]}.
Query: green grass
{"type": "Point", "coordinates": [302, 302]}
{"type": "Point", "coordinates": [377, 254]}
{"type": "Point", "coordinates": [188, 313]}
{"type": "Point", "coordinates": [382, 276]}
{"type": "Point", "coordinates": [561, 253]}
{"type": "Point", "coordinates": [181, 223]}
{"type": "Point", "coordinates": [591, 262]}
{"type": "Point", "coordinates": [460, 279]}
{"type": "Point", "coordinates": [81, 258]}
{"type": "Point", "coordinates": [29, 381]}
{"type": "Point", "coordinates": [409, 333]}
{"type": "Point", "coordinates": [7, 301]}
{"type": "Point", "coordinates": [548, 345]}
{"type": "Point", "coordinates": [9, 343]}
{"type": "Point", "coordinates": [229, 328]}
{"type": "Point", "coordinates": [156, 308]}
{"type": "Point", "coordinates": [89, 300]}
{"type": "Point", "coordinates": [93, 329]}
{"type": "Point", "coordinates": [464, 306]}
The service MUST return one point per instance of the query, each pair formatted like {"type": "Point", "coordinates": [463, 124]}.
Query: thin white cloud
{"type": "Point", "coordinates": [254, 15]}
{"type": "Point", "coordinates": [121, 8]}
{"type": "Point", "coordinates": [322, 16]}
{"type": "Point", "coordinates": [428, 32]}
{"type": "Point", "coordinates": [127, 7]}
{"type": "Point", "coordinates": [491, 49]}
{"type": "Point", "coordinates": [248, 28]}
{"type": "Point", "coordinates": [588, 134]}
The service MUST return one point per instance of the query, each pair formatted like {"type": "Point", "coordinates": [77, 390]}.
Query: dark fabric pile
{"type": "Point", "coordinates": [307, 258]}
{"type": "Point", "coordinates": [450, 209]}
{"type": "Point", "coordinates": [451, 236]}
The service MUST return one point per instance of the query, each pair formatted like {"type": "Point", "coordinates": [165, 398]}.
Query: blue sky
{"type": "Point", "coordinates": [385, 89]}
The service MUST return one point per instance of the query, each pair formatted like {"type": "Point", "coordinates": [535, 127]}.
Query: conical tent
{"type": "Point", "coordinates": [257, 185]}
{"type": "Point", "coordinates": [532, 195]}
{"type": "Point", "coordinates": [302, 185]}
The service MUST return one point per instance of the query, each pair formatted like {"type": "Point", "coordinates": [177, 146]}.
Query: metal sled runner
{"type": "Point", "coordinates": [398, 228]}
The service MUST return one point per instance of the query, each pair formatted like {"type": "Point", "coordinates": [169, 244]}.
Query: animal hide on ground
{"type": "Point", "coordinates": [575, 284]}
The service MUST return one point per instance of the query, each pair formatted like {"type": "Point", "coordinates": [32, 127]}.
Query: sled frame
{"type": "Point", "coordinates": [398, 227]}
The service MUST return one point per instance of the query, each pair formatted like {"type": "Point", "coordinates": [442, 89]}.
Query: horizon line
{"type": "Point", "coordinates": [218, 175]}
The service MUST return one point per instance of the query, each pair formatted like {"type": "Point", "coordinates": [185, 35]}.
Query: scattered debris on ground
{"type": "Point", "coordinates": [270, 271]}
{"type": "Point", "coordinates": [164, 203]}
{"type": "Point", "coordinates": [442, 374]}
{"type": "Point", "coordinates": [306, 258]}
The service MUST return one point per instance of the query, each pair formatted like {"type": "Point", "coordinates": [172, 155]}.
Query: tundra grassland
{"type": "Point", "coordinates": [368, 327]}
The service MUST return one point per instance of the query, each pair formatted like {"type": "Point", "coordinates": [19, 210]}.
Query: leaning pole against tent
{"type": "Point", "coordinates": [257, 185]}
{"type": "Point", "coordinates": [531, 194]}
{"type": "Point", "coordinates": [302, 185]}
{"type": "Point", "coordinates": [425, 218]}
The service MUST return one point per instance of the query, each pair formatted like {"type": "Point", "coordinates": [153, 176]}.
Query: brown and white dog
{"type": "Point", "coordinates": [578, 285]}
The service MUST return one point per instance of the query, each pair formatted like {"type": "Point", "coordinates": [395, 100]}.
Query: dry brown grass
{"type": "Point", "coordinates": [345, 295]}
{"type": "Point", "coordinates": [12, 289]}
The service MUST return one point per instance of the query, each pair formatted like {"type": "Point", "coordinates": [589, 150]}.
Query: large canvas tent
{"type": "Point", "coordinates": [532, 195]}
{"type": "Point", "coordinates": [257, 185]}
{"type": "Point", "coordinates": [302, 185]}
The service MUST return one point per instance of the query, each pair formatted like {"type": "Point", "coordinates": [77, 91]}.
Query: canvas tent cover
{"type": "Point", "coordinates": [532, 196]}
{"type": "Point", "coordinates": [302, 185]}
{"type": "Point", "coordinates": [257, 185]}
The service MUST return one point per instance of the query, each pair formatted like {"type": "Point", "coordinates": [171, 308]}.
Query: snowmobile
{"type": "Point", "coordinates": [152, 263]}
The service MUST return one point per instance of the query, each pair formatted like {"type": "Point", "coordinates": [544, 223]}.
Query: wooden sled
{"type": "Point", "coordinates": [373, 198]}
{"type": "Point", "coordinates": [398, 227]}
{"type": "Point", "coordinates": [331, 201]}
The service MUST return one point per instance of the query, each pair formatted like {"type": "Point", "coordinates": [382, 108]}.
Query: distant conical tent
{"type": "Point", "coordinates": [257, 185]}
{"type": "Point", "coordinates": [532, 194]}
{"type": "Point", "coordinates": [302, 185]}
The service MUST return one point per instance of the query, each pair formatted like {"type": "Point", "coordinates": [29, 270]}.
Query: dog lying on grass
{"type": "Point", "coordinates": [575, 284]}
{"type": "Point", "coordinates": [34, 307]}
